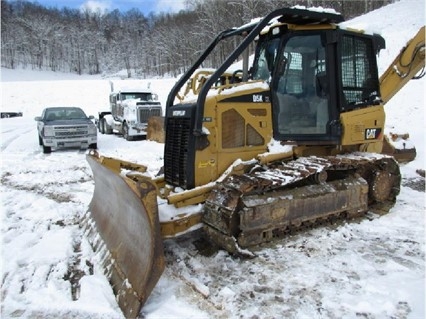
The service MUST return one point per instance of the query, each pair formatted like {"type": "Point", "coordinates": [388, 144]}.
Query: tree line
{"type": "Point", "coordinates": [87, 42]}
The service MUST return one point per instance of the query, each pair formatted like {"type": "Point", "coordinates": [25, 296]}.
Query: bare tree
{"type": "Point", "coordinates": [95, 42]}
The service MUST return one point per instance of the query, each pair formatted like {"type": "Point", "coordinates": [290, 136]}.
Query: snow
{"type": "Point", "coordinates": [371, 268]}
{"type": "Point", "coordinates": [130, 86]}
{"type": "Point", "coordinates": [316, 9]}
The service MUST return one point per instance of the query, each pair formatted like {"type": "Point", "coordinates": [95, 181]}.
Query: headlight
{"type": "Point", "coordinates": [48, 131]}
{"type": "Point", "coordinates": [92, 130]}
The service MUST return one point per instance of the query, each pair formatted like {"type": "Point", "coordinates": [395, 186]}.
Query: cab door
{"type": "Point", "coordinates": [302, 99]}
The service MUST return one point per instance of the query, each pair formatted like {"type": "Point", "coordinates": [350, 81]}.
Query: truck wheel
{"type": "Point", "coordinates": [126, 132]}
{"type": "Point", "coordinates": [102, 126]}
{"type": "Point", "coordinates": [106, 129]}
{"type": "Point", "coordinates": [47, 149]}
{"type": "Point", "coordinates": [93, 146]}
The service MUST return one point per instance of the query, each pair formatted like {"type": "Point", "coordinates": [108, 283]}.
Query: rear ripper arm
{"type": "Point", "coordinates": [406, 66]}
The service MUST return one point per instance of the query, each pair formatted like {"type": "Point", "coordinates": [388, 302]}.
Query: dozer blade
{"type": "Point", "coordinates": [124, 213]}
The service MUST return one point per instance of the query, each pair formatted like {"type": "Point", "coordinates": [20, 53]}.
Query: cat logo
{"type": "Point", "coordinates": [257, 98]}
{"type": "Point", "coordinates": [372, 133]}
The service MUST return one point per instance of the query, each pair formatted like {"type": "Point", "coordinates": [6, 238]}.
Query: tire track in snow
{"type": "Point", "coordinates": [10, 140]}
{"type": "Point", "coordinates": [46, 191]}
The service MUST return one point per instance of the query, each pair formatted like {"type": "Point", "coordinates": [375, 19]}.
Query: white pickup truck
{"type": "Point", "coordinates": [60, 127]}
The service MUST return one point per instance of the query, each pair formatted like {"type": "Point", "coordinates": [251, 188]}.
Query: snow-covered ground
{"type": "Point", "coordinates": [369, 268]}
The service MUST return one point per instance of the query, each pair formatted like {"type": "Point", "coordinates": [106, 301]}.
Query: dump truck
{"type": "Point", "coordinates": [313, 90]}
{"type": "Point", "coordinates": [131, 106]}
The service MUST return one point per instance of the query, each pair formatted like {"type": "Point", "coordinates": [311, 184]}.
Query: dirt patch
{"type": "Point", "coordinates": [417, 183]}
{"type": "Point", "coordinates": [75, 271]}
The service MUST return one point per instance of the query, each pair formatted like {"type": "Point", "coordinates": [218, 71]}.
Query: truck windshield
{"type": "Point", "coordinates": [141, 96]}
{"type": "Point", "coordinates": [65, 114]}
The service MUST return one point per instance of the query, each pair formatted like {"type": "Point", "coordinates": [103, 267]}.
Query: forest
{"type": "Point", "coordinates": [155, 45]}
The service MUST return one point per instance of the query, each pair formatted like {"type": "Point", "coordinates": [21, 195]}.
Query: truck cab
{"type": "Point", "coordinates": [130, 109]}
{"type": "Point", "coordinates": [316, 78]}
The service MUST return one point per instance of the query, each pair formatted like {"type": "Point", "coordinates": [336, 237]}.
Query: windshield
{"type": "Point", "coordinates": [141, 96]}
{"type": "Point", "coordinates": [64, 114]}
{"type": "Point", "coordinates": [265, 59]}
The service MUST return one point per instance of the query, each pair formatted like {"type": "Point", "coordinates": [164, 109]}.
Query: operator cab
{"type": "Point", "coordinates": [303, 68]}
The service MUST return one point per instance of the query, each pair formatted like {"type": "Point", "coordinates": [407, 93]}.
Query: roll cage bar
{"type": "Point", "coordinates": [286, 15]}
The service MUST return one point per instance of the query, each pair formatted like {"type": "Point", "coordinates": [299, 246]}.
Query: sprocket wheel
{"type": "Point", "coordinates": [381, 186]}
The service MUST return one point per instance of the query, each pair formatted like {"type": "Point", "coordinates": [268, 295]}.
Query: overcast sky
{"type": "Point", "coordinates": [145, 6]}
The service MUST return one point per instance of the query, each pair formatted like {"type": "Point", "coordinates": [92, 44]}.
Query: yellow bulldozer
{"type": "Point", "coordinates": [295, 138]}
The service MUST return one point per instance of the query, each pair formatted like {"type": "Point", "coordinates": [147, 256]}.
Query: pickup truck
{"type": "Point", "coordinates": [60, 127]}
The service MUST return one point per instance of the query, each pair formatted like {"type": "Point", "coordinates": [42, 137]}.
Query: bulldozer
{"type": "Point", "coordinates": [296, 138]}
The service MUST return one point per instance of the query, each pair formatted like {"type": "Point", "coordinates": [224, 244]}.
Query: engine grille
{"type": "Point", "coordinates": [176, 151]}
{"type": "Point", "coordinates": [144, 113]}
{"type": "Point", "coordinates": [71, 131]}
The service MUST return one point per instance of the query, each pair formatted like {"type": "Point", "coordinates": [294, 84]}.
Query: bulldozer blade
{"type": "Point", "coordinates": [125, 215]}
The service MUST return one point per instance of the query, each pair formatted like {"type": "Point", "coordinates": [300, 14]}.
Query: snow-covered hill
{"type": "Point", "coordinates": [374, 268]}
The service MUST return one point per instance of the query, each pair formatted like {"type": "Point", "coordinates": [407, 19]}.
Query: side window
{"type": "Point", "coordinates": [265, 60]}
{"type": "Point", "coordinates": [359, 71]}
